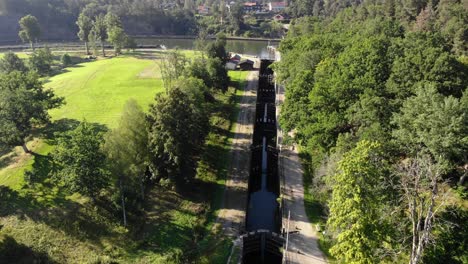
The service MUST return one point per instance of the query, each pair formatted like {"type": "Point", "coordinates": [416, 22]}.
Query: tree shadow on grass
{"type": "Point", "coordinates": [57, 127]}
{"type": "Point", "coordinates": [13, 252]}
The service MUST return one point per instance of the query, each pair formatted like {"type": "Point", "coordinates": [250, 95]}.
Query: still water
{"type": "Point", "coordinates": [248, 47]}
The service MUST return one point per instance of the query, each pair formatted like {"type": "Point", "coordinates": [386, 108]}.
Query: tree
{"type": "Point", "coordinates": [217, 49]}
{"type": "Point", "coordinates": [23, 104]}
{"type": "Point", "coordinates": [177, 126]}
{"type": "Point", "coordinates": [424, 57]}
{"type": "Point", "coordinates": [85, 24]}
{"type": "Point", "coordinates": [79, 161]}
{"type": "Point", "coordinates": [100, 31]}
{"type": "Point", "coordinates": [423, 196]}
{"type": "Point", "coordinates": [431, 122]}
{"type": "Point", "coordinates": [118, 38]}
{"type": "Point", "coordinates": [30, 30]}
{"type": "Point", "coordinates": [112, 20]}
{"type": "Point", "coordinates": [172, 66]}
{"type": "Point", "coordinates": [355, 205]}
{"type": "Point", "coordinates": [41, 61]}
{"type": "Point", "coordinates": [126, 148]}
{"type": "Point", "coordinates": [11, 62]}
{"type": "Point", "coordinates": [219, 78]}
{"type": "Point", "coordinates": [66, 60]}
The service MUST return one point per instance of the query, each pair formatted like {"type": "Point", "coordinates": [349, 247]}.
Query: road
{"type": "Point", "coordinates": [303, 246]}
{"type": "Point", "coordinates": [232, 213]}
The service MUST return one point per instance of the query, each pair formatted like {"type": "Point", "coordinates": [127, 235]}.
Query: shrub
{"type": "Point", "coordinates": [66, 60]}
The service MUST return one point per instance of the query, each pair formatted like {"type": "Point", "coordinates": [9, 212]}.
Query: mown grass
{"type": "Point", "coordinates": [97, 91]}
{"type": "Point", "coordinates": [71, 228]}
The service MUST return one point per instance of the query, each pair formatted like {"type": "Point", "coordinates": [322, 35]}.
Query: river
{"type": "Point", "coordinates": [248, 47]}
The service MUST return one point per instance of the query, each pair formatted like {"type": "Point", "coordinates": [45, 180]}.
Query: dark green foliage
{"type": "Point", "coordinates": [178, 124]}
{"type": "Point", "coordinates": [433, 122]}
{"type": "Point", "coordinates": [217, 72]}
{"type": "Point", "coordinates": [41, 61]}
{"type": "Point", "coordinates": [217, 49]}
{"type": "Point", "coordinates": [66, 60]}
{"type": "Point", "coordinates": [23, 104]}
{"type": "Point", "coordinates": [452, 239]}
{"type": "Point", "coordinates": [11, 62]}
{"type": "Point", "coordinates": [79, 162]}
{"type": "Point", "coordinates": [425, 57]}
{"type": "Point", "coordinates": [390, 74]}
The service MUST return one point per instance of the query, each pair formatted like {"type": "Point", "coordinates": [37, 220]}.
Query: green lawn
{"type": "Point", "coordinates": [97, 91]}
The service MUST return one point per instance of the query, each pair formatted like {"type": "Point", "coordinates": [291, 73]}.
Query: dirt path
{"type": "Point", "coordinates": [232, 213]}
{"type": "Point", "coordinates": [303, 246]}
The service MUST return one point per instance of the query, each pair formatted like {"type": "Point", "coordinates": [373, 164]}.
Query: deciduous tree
{"type": "Point", "coordinates": [11, 62]}
{"type": "Point", "coordinates": [24, 103]}
{"type": "Point", "coordinates": [30, 30]}
{"type": "Point", "coordinates": [85, 24]}
{"type": "Point", "coordinates": [355, 205]}
{"type": "Point", "coordinates": [178, 124]}
{"type": "Point", "coordinates": [100, 31]}
{"type": "Point", "coordinates": [80, 162]}
{"type": "Point", "coordinates": [126, 148]}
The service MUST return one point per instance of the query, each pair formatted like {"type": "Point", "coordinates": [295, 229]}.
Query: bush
{"type": "Point", "coordinates": [41, 61]}
{"type": "Point", "coordinates": [66, 60]}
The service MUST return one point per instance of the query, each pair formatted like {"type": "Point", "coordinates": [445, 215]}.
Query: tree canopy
{"type": "Point", "coordinates": [24, 104]}
{"type": "Point", "coordinates": [30, 30]}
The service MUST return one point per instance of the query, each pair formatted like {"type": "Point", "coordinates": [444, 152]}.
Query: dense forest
{"type": "Point", "coordinates": [58, 17]}
{"type": "Point", "coordinates": [376, 97]}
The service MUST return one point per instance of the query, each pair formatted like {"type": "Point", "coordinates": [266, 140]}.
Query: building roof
{"type": "Point", "coordinates": [278, 4]}
{"type": "Point", "coordinates": [251, 4]}
{"type": "Point", "coordinates": [246, 62]}
{"type": "Point", "coordinates": [236, 57]}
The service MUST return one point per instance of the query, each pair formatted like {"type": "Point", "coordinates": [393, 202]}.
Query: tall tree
{"type": "Point", "coordinates": [100, 31]}
{"type": "Point", "coordinates": [112, 20]}
{"type": "Point", "coordinates": [172, 66]}
{"type": "Point", "coordinates": [24, 103]}
{"type": "Point", "coordinates": [178, 124]}
{"type": "Point", "coordinates": [431, 122]}
{"type": "Point", "coordinates": [126, 148]}
{"type": "Point", "coordinates": [423, 196]}
{"type": "Point", "coordinates": [80, 162]}
{"type": "Point", "coordinates": [29, 29]}
{"type": "Point", "coordinates": [11, 62]}
{"type": "Point", "coordinates": [118, 38]}
{"type": "Point", "coordinates": [85, 24]}
{"type": "Point", "coordinates": [355, 205]}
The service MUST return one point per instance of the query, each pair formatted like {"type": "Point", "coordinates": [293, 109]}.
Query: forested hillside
{"type": "Point", "coordinates": [376, 97]}
{"type": "Point", "coordinates": [58, 17]}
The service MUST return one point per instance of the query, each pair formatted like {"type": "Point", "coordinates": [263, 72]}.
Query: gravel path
{"type": "Point", "coordinates": [303, 246]}
{"type": "Point", "coordinates": [232, 213]}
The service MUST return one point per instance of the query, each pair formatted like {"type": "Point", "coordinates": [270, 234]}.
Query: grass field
{"type": "Point", "coordinates": [42, 219]}
{"type": "Point", "coordinates": [97, 91]}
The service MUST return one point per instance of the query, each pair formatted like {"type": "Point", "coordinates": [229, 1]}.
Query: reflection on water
{"type": "Point", "coordinates": [248, 47]}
